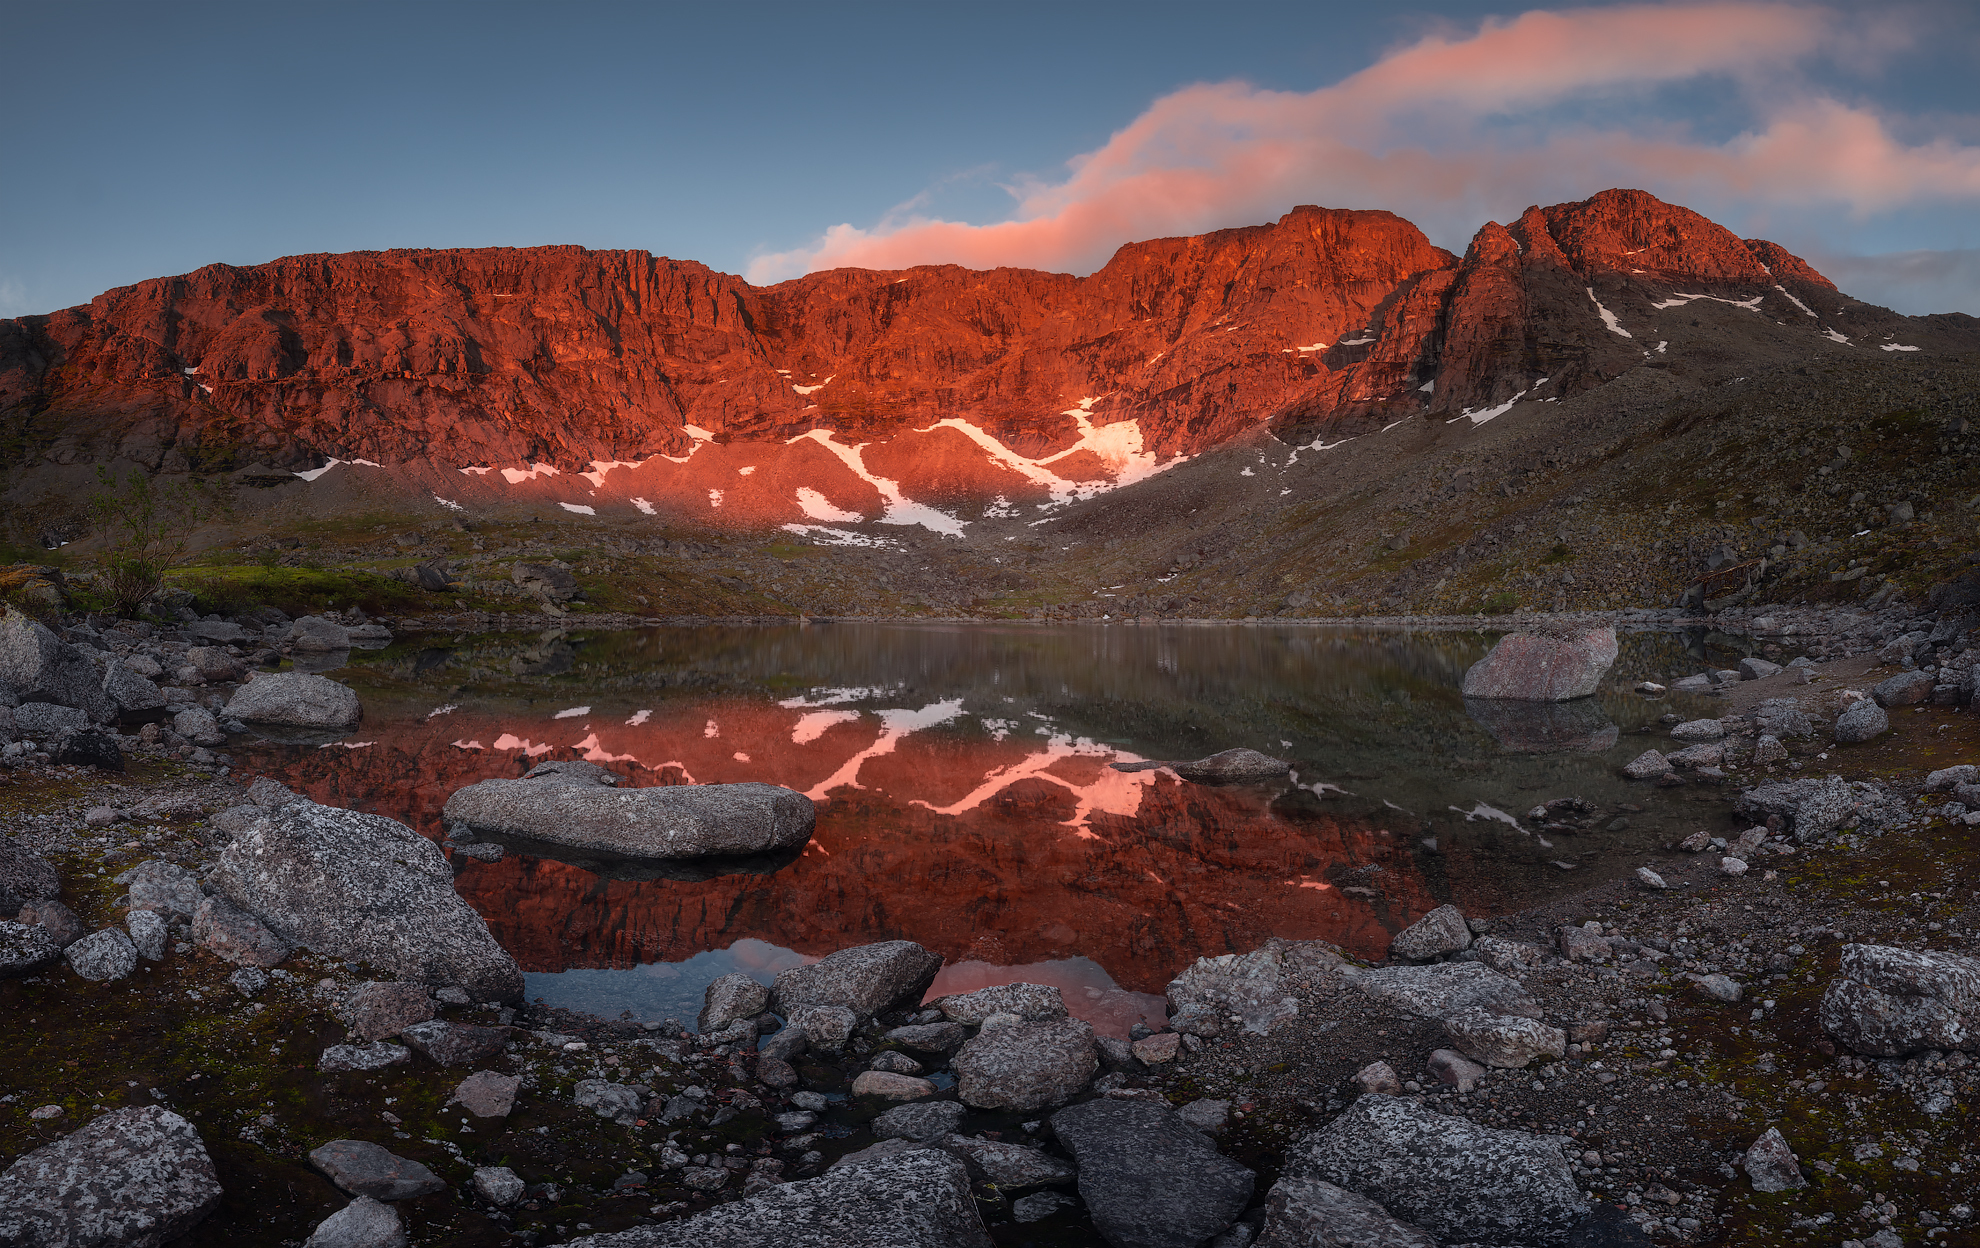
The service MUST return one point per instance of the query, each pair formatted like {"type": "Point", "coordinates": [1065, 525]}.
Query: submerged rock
{"type": "Point", "coordinates": [1148, 1179]}
{"type": "Point", "coordinates": [137, 1176]}
{"type": "Point", "coordinates": [366, 889]}
{"type": "Point", "coordinates": [664, 822]}
{"type": "Point", "coordinates": [1531, 667]}
{"type": "Point", "coordinates": [1580, 726]}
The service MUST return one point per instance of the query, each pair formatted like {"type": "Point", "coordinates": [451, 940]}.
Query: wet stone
{"type": "Point", "coordinates": [926, 1121]}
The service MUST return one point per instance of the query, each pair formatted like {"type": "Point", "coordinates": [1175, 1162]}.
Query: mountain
{"type": "Point", "coordinates": [633, 384]}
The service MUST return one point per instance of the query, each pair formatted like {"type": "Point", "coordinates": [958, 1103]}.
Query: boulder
{"type": "Point", "coordinates": [1232, 767]}
{"type": "Point", "coordinates": [1699, 730]}
{"type": "Point", "coordinates": [364, 1223]}
{"type": "Point", "coordinates": [928, 1120]}
{"type": "Point", "coordinates": [297, 702]}
{"type": "Point", "coordinates": [1783, 717]}
{"type": "Point", "coordinates": [1772, 1165]}
{"type": "Point", "coordinates": [24, 877]}
{"type": "Point", "coordinates": [26, 949]}
{"type": "Point", "coordinates": [1903, 689]}
{"type": "Point", "coordinates": [1149, 1180]}
{"type": "Point", "coordinates": [1378, 1078]}
{"type": "Point", "coordinates": [1435, 991]}
{"type": "Point", "coordinates": [38, 666]}
{"type": "Point", "coordinates": [134, 694]}
{"type": "Point", "coordinates": [664, 822]}
{"type": "Point", "coordinates": [1312, 1213]}
{"type": "Point", "coordinates": [364, 888]}
{"type": "Point", "coordinates": [866, 979]}
{"type": "Point", "coordinates": [456, 1044]}
{"type": "Point", "coordinates": [362, 1168]}
{"type": "Point", "coordinates": [1458, 1181]}
{"type": "Point", "coordinates": [917, 1198]}
{"type": "Point", "coordinates": [340, 1057]}
{"type": "Point", "coordinates": [215, 665]}
{"type": "Point", "coordinates": [1459, 1071]}
{"type": "Point", "coordinates": [498, 1185]}
{"type": "Point", "coordinates": [39, 721]}
{"type": "Point", "coordinates": [1810, 808]}
{"type": "Point", "coordinates": [1648, 765]}
{"type": "Point", "coordinates": [377, 1010]}
{"type": "Point", "coordinates": [314, 633]}
{"type": "Point", "coordinates": [1530, 667]}
{"type": "Point", "coordinates": [1031, 1002]}
{"type": "Point", "coordinates": [1946, 779]}
{"type": "Point", "coordinates": [213, 628]}
{"type": "Point", "coordinates": [1252, 985]}
{"type": "Point", "coordinates": [104, 955]}
{"type": "Point", "coordinates": [1439, 932]}
{"type": "Point", "coordinates": [825, 1027]}
{"type": "Point", "coordinates": [198, 726]}
{"type": "Point", "coordinates": [616, 1101]}
{"type": "Point", "coordinates": [729, 998]}
{"type": "Point", "coordinates": [230, 932]}
{"type": "Point", "coordinates": [1863, 721]}
{"type": "Point", "coordinates": [1506, 1041]}
{"type": "Point", "coordinates": [148, 933]}
{"type": "Point", "coordinates": [165, 887]}
{"type": "Point", "coordinates": [889, 1086]}
{"type": "Point", "coordinates": [1751, 668]}
{"type": "Point", "coordinates": [136, 1176]}
{"type": "Point", "coordinates": [1010, 1166]}
{"type": "Point", "coordinates": [1504, 955]}
{"type": "Point", "coordinates": [1890, 1002]}
{"type": "Point", "coordinates": [90, 747]}
{"type": "Point", "coordinates": [1026, 1066]}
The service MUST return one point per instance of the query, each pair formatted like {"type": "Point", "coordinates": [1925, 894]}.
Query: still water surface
{"type": "Point", "coordinates": [966, 798]}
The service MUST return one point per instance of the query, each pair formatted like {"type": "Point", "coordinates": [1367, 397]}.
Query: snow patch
{"type": "Point", "coordinates": [814, 725]}
{"type": "Point", "coordinates": [898, 509]}
{"type": "Point", "coordinates": [828, 536]}
{"type": "Point", "coordinates": [638, 718]}
{"type": "Point", "coordinates": [1355, 342]}
{"type": "Point", "coordinates": [644, 506]}
{"type": "Point", "coordinates": [516, 476]}
{"type": "Point", "coordinates": [476, 472]}
{"type": "Point", "coordinates": [819, 507]}
{"type": "Point", "coordinates": [746, 470]}
{"type": "Point", "coordinates": [714, 498]}
{"type": "Point", "coordinates": [1892, 346]}
{"type": "Point", "coordinates": [1608, 317]}
{"type": "Point", "coordinates": [599, 467]}
{"type": "Point", "coordinates": [1428, 386]}
{"type": "Point", "coordinates": [814, 389]}
{"type": "Point", "coordinates": [314, 473]}
{"type": "Point", "coordinates": [579, 508]}
{"type": "Point", "coordinates": [1833, 336]}
{"type": "Point", "coordinates": [1318, 346]}
{"type": "Point", "coordinates": [1790, 298]}
{"type": "Point", "coordinates": [448, 503]}
{"type": "Point", "coordinates": [1492, 413]}
{"type": "Point", "coordinates": [1679, 300]}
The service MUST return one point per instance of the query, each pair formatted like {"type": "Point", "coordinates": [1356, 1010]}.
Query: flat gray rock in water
{"type": "Point", "coordinates": [1312, 1213]}
{"type": "Point", "coordinates": [865, 979]}
{"type": "Point", "coordinates": [1439, 932]}
{"type": "Point", "coordinates": [1891, 1002]}
{"type": "Point", "coordinates": [366, 889]}
{"type": "Point", "coordinates": [296, 700]}
{"type": "Point", "coordinates": [1026, 1066]}
{"type": "Point", "coordinates": [919, 1198]}
{"type": "Point", "coordinates": [364, 1223]}
{"type": "Point", "coordinates": [1460, 1182]}
{"type": "Point", "coordinates": [366, 1169]}
{"type": "Point", "coordinates": [1434, 991]}
{"type": "Point", "coordinates": [137, 1176]}
{"type": "Point", "coordinates": [663, 822]}
{"type": "Point", "coordinates": [1532, 667]}
{"type": "Point", "coordinates": [1028, 1001]}
{"type": "Point", "coordinates": [1148, 1180]}
{"type": "Point", "coordinates": [108, 954]}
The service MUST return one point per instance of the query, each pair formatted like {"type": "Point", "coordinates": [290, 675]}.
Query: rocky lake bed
{"type": "Point", "coordinates": [1760, 1031]}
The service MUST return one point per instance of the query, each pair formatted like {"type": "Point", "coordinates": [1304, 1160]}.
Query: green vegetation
{"type": "Point", "coordinates": [1502, 603]}
{"type": "Point", "coordinates": [147, 530]}
{"type": "Point", "coordinates": [297, 591]}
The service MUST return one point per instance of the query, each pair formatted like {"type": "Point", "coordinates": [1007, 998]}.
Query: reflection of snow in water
{"type": "Point", "coordinates": [1113, 792]}
{"type": "Point", "coordinates": [894, 725]}
{"type": "Point", "coordinates": [833, 697]}
{"type": "Point", "coordinates": [510, 741]}
{"type": "Point", "coordinates": [1482, 811]}
{"type": "Point", "coordinates": [811, 727]}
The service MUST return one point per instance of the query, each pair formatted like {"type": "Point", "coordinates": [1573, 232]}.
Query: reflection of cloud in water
{"type": "Point", "coordinates": [659, 990]}
{"type": "Point", "coordinates": [1090, 992]}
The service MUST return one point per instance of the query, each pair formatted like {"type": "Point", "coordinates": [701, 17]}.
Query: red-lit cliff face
{"type": "Point", "coordinates": [1048, 385]}
{"type": "Point", "coordinates": [1011, 851]}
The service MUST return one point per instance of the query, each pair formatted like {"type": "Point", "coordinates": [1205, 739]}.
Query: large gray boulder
{"type": "Point", "coordinates": [133, 693]}
{"type": "Point", "coordinates": [1506, 1041]}
{"type": "Point", "coordinates": [1439, 932]}
{"type": "Point", "coordinates": [103, 955]}
{"type": "Point", "coordinates": [917, 1198]}
{"type": "Point", "coordinates": [364, 1223]}
{"type": "Point", "coordinates": [298, 701]}
{"type": "Point", "coordinates": [314, 633]}
{"type": "Point", "coordinates": [24, 876]}
{"type": "Point", "coordinates": [1810, 808]}
{"type": "Point", "coordinates": [865, 979]}
{"type": "Point", "coordinates": [1534, 667]}
{"type": "Point", "coordinates": [1251, 985]}
{"type": "Point", "coordinates": [1030, 1002]}
{"type": "Point", "coordinates": [366, 1169]}
{"type": "Point", "coordinates": [664, 822]}
{"type": "Point", "coordinates": [137, 1176]}
{"type": "Point", "coordinates": [38, 666]}
{"type": "Point", "coordinates": [1462, 1183]}
{"type": "Point", "coordinates": [1889, 1002]}
{"type": "Point", "coordinates": [1435, 991]}
{"type": "Point", "coordinates": [364, 888]}
{"type": "Point", "coordinates": [1865, 720]}
{"type": "Point", "coordinates": [1903, 689]}
{"type": "Point", "coordinates": [1149, 1180]}
{"type": "Point", "coordinates": [1312, 1213]}
{"type": "Point", "coordinates": [41, 720]}
{"type": "Point", "coordinates": [1026, 1066]}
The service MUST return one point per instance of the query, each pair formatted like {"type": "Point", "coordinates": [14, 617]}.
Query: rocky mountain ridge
{"type": "Point", "coordinates": [853, 395]}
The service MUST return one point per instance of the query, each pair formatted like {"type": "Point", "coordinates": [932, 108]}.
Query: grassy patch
{"type": "Point", "coordinates": [298, 591]}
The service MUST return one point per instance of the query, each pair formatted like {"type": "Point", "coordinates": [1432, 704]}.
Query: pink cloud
{"type": "Point", "coordinates": [1420, 132]}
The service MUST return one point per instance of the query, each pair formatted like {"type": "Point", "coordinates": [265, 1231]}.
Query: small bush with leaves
{"type": "Point", "coordinates": [147, 530]}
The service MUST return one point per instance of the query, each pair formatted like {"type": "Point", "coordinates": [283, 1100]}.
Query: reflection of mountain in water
{"type": "Point", "coordinates": [965, 795]}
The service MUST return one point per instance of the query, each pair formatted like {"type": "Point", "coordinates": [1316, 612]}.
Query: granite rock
{"type": "Point", "coordinates": [866, 979]}
{"type": "Point", "coordinates": [1148, 1179]}
{"type": "Point", "coordinates": [1891, 1002]}
{"type": "Point", "coordinates": [1026, 1066]}
{"type": "Point", "coordinates": [139, 1176]}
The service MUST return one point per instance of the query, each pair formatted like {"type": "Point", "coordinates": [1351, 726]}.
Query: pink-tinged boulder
{"type": "Point", "coordinates": [1536, 667]}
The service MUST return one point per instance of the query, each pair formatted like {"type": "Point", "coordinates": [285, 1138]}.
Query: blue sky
{"type": "Point", "coordinates": [144, 140]}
